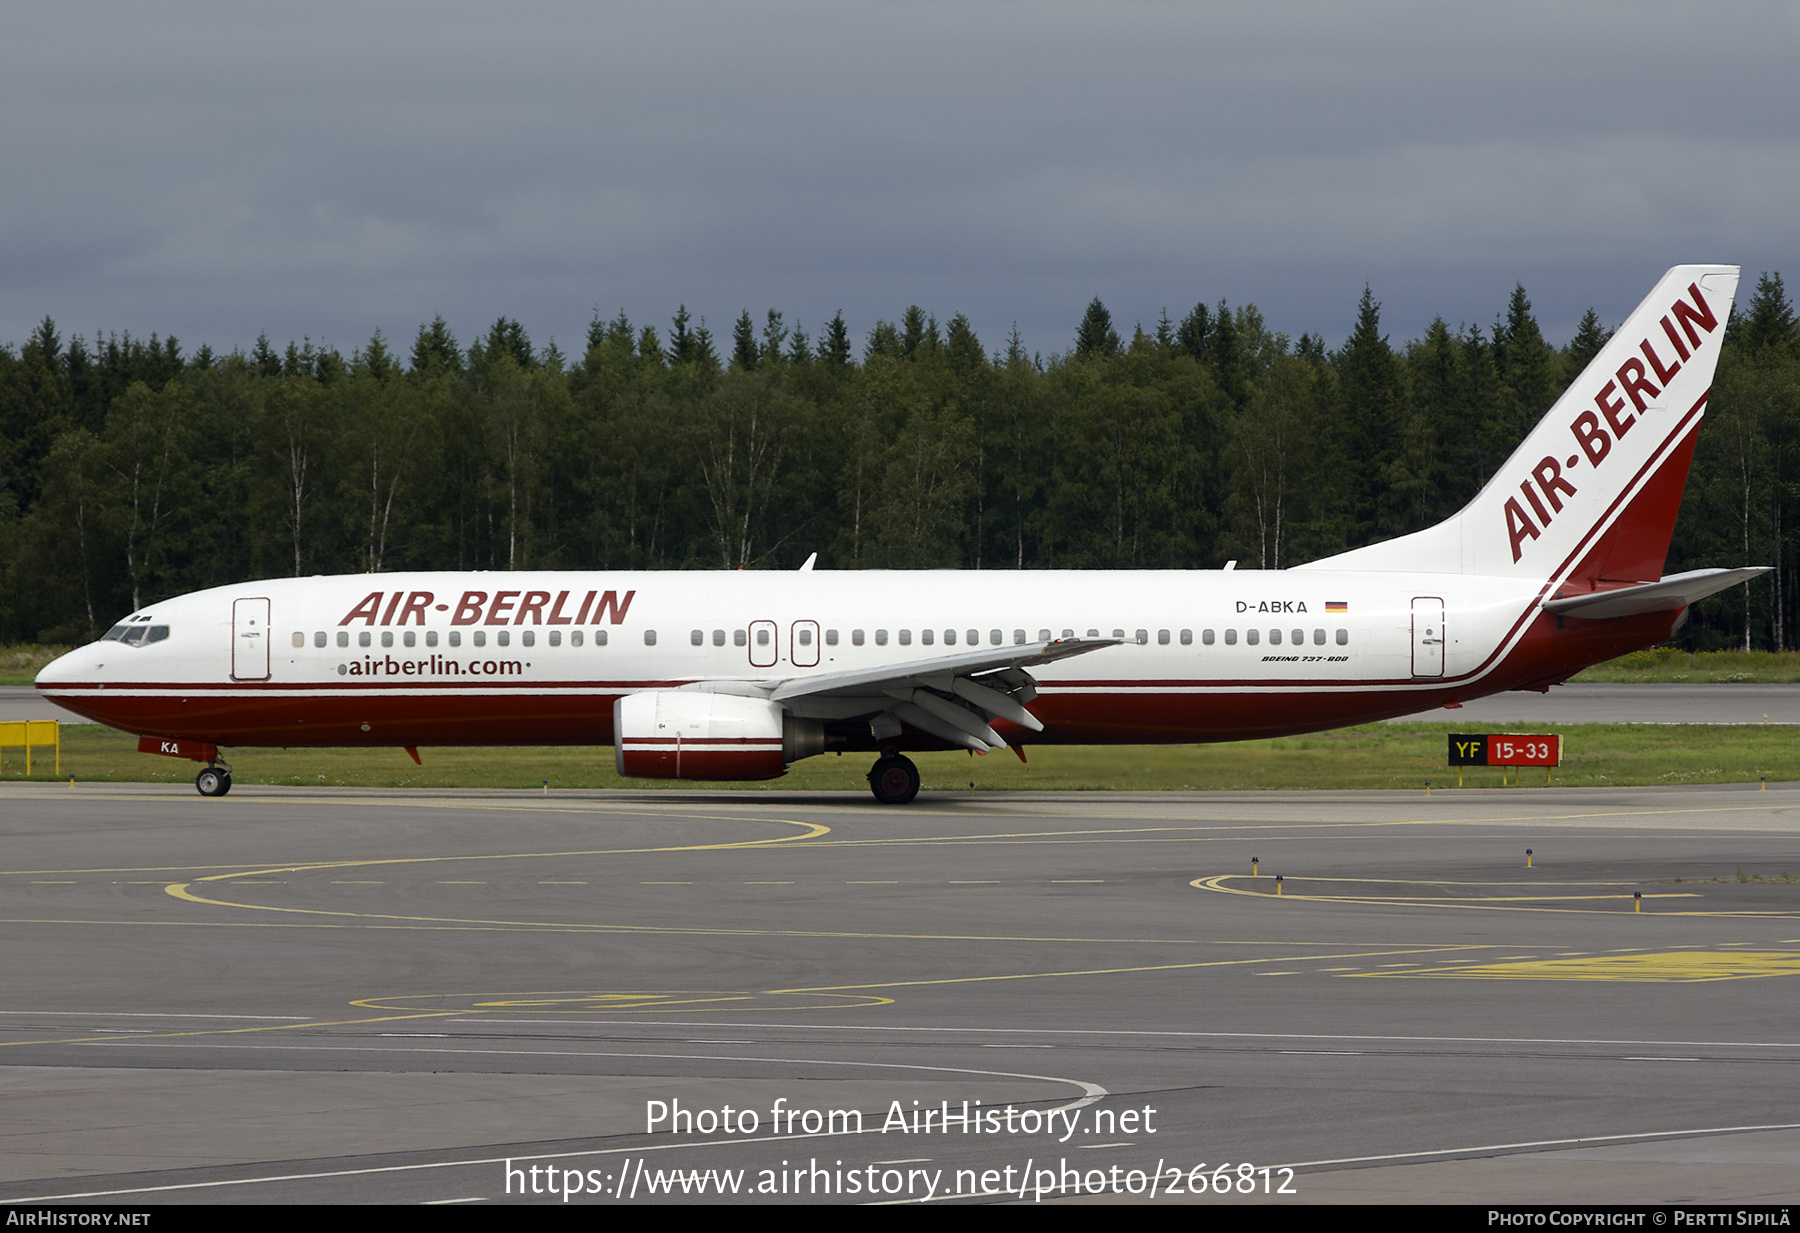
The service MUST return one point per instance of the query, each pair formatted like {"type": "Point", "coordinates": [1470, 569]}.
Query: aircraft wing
{"type": "Point", "coordinates": [936, 672]}
{"type": "Point", "coordinates": [940, 695]}
{"type": "Point", "coordinates": [1672, 593]}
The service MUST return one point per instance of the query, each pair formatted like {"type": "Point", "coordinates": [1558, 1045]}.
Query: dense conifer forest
{"type": "Point", "coordinates": [132, 470]}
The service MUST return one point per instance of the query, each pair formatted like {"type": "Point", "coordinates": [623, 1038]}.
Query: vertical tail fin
{"type": "Point", "coordinates": [1592, 493]}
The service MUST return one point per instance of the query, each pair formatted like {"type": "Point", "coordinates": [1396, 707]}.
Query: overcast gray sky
{"type": "Point", "coordinates": [322, 170]}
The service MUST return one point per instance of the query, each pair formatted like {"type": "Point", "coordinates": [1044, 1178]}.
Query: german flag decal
{"type": "Point", "coordinates": [1336, 605]}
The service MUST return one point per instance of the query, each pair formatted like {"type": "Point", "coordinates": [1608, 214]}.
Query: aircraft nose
{"type": "Point", "coordinates": [66, 669]}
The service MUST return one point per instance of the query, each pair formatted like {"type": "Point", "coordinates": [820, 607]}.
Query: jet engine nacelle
{"type": "Point", "coordinates": [688, 734]}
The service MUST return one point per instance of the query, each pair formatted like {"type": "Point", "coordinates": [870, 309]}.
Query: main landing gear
{"type": "Point", "coordinates": [214, 781]}
{"type": "Point", "coordinates": [894, 780]}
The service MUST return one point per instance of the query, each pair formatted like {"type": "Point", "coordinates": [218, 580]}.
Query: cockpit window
{"type": "Point", "coordinates": [135, 635]}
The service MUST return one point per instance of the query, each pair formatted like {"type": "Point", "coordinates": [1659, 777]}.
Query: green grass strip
{"type": "Point", "coordinates": [1370, 756]}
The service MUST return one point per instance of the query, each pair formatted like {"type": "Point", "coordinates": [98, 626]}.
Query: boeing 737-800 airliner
{"type": "Point", "coordinates": [1556, 564]}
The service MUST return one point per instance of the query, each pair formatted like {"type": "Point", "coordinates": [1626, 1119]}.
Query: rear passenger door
{"type": "Point", "coordinates": [1428, 637]}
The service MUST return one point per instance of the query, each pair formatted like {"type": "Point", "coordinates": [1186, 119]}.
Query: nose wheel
{"type": "Point", "coordinates": [894, 780]}
{"type": "Point", "coordinates": [213, 781]}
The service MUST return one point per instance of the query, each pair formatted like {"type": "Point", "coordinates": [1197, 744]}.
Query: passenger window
{"type": "Point", "coordinates": [1043, 635]}
{"type": "Point", "coordinates": [1119, 633]}
{"type": "Point", "coordinates": [343, 638]}
{"type": "Point", "coordinates": [1274, 637]}
{"type": "Point", "coordinates": [410, 638]}
{"type": "Point", "coordinates": [1318, 637]}
{"type": "Point", "coordinates": [455, 638]}
{"type": "Point", "coordinates": [1093, 633]}
{"type": "Point", "coordinates": [949, 637]}
{"type": "Point", "coordinates": [718, 637]}
{"type": "Point", "coordinates": [738, 637]}
{"type": "Point", "coordinates": [1187, 637]}
{"type": "Point", "coordinates": [926, 636]}
{"type": "Point", "coordinates": [527, 637]}
{"type": "Point", "coordinates": [905, 637]}
{"type": "Point", "coordinates": [480, 637]}
{"type": "Point", "coordinates": [697, 637]}
{"type": "Point", "coordinates": [555, 637]}
{"type": "Point", "coordinates": [1343, 637]}
{"type": "Point", "coordinates": [504, 637]}
{"type": "Point", "coordinates": [1206, 637]}
{"type": "Point", "coordinates": [974, 637]}
{"type": "Point", "coordinates": [1162, 637]}
{"type": "Point", "coordinates": [856, 637]}
{"type": "Point", "coordinates": [762, 637]}
{"type": "Point", "coordinates": [599, 637]}
{"type": "Point", "coordinates": [881, 637]}
{"type": "Point", "coordinates": [649, 637]}
{"type": "Point", "coordinates": [1143, 637]}
{"type": "Point", "coordinates": [831, 637]}
{"type": "Point", "coordinates": [1018, 637]}
{"type": "Point", "coordinates": [387, 638]}
{"type": "Point", "coordinates": [1231, 637]}
{"type": "Point", "coordinates": [431, 637]}
{"type": "Point", "coordinates": [1299, 637]}
{"type": "Point", "coordinates": [299, 639]}
{"type": "Point", "coordinates": [806, 637]}
{"type": "Point", "coordinates": [1251, 637]}
{"type": "Point", "coordinates": [362, 639]}
{"type": "Point", "coordinates": [1068, 633]}
{"type": "Point", "coordinates": [319, 638]}
{"type": "Point", "coordinates": [574, 637]}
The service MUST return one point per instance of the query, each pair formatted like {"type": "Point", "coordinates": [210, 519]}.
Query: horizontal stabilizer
{"type": "Point", "coordinates": [1671, 594]}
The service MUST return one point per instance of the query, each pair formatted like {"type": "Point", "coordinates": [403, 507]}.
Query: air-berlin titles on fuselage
{"type": "Point", "coordinates": [504, 608]}
{"type": "Point", "coordinates": [1632, 381]}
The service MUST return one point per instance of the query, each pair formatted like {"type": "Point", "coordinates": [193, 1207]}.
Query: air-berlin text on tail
{"type": "Point", "coordinates": [1684, 327]}
{"type": "Point", "coordinates": [502, 608]}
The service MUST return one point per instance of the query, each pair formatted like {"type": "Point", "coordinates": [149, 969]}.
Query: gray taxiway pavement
{"type": "Point", "coordinates": [1569, 704]}
{"type": "Point", "coordinates": [309, 996]}
{"type": "Point", "coordinates": [25, 702]}
{"type": "Point", "coordinates": [1629, 704]}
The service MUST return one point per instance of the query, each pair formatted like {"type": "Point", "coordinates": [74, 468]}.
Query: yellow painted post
{"type": "Point", "coordinates": [1527, 858]}
{"type": "Point", "coordinates": [1637, 901]}
{"type": "Point", "coordinates": [1253, 872]}
{"type": "Point", "coordinates": [29, 732]}
{"type": "Point", "coordinates": [1277, 884]}
{"type": "Point", "coordinates": [49, 732]}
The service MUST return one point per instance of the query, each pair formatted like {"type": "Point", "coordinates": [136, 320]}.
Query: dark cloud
{"type": "Point", "coordinates": [218, 170]}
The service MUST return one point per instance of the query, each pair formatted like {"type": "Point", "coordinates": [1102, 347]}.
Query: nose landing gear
{"type": "Point", "coordinates": [213, 781]}
{"type": "Point", "coordinates": [894, 780]}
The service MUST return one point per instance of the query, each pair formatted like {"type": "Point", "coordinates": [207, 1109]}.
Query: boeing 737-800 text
{"type": "Point", "coordinates": [1556, 564]}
